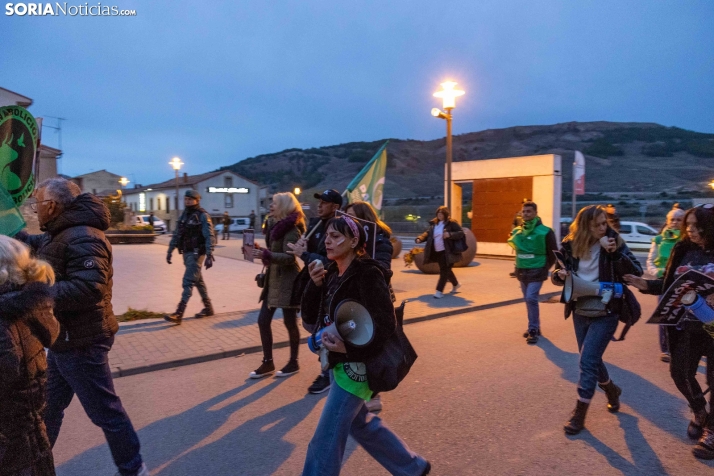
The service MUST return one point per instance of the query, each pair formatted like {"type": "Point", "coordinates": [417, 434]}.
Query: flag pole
{"type": "Point", "coordinates": [574, 191]}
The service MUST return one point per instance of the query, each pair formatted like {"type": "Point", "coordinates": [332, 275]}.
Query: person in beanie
{"type": "Point", "coordinates": [74, 244]}
{"type": "Point", "coordinates": [312, 249]}
{"type": "Point", "coordinates": [226, 226]}
{"type": "Point", "coordinates": [194, 239]}
{"type": "Point", "coordinates": [534, 244]}
{"type": "Point", "coordinates": [660, 250]}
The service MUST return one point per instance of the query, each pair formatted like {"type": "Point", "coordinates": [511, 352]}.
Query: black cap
{"type": "Point", "coordinates": [192, 194]}
{"type": "Point", "coordinates": [330, 196]}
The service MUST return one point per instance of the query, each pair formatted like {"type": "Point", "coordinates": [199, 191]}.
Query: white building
{"type": "Point", "coordinates": [101, 183]}
{"type": "Point", "coordinates": [222, 191]}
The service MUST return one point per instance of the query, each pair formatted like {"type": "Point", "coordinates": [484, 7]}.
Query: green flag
{"type": "Point", "coordinates": [11, 220]}
{"type": "Point", "coordinates": [368, 185]}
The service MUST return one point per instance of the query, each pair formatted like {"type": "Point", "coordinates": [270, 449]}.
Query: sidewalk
{"type": "Point", "coordinates": [149, 345]}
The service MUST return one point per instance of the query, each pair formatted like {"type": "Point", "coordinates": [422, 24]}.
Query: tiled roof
{"type": "Point", "coordinates": [189, 180]}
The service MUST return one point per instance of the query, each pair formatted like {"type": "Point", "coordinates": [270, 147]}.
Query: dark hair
{"type": "Point", "coordinates": [531, 204]}
{"type": "Point", "coordinates": [443, 210]}
{"type": "Point", "coordinates": [705, 224]}
{"type": "Point", "coordinates": [365, 211]}
{"type": "Point", "coordinates": [340, 225]}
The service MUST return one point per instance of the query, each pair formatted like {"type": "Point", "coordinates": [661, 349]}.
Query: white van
{"type": "Point", "coordinates": [159, 225]}
{"type": "Point", "coordinates": [237, 225]}
{"type": "Point", "coordinates": [637, 235]}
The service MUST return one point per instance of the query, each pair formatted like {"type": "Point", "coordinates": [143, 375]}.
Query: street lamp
{"type": "Point", "coordinates": [711, 184]}
{"type": "Point", "coordinates": [297, 191]}
{"type": "Point", "coordinates": [448, 94]}
{"type": "Point", "coordinates": [176, 164]}
{"type": "Point", "coordinates": [124, 182]}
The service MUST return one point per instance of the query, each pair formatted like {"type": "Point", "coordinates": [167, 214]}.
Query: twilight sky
{"type": "Point", "coordinates": [216, 82]}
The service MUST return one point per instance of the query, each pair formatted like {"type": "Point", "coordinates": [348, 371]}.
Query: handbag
{"type": "Point", "coordinates": [590, 306]}
{"type": "Point", "coordinates": [260, 278]}
{"type": "Point", "coordinates": [389, 367]}
{"type": "Point", "coordinates": [460, 245]}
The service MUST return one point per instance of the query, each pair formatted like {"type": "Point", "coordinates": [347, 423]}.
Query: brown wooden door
{"type": "Point", "coordinates": [495, 204]}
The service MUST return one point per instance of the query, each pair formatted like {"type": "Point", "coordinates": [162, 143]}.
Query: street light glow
{"type": "Point", "coordinates": [124, 181]}
{"type": "Point", "coordinates": [297, 191]}
{"type": "Point", "coordinates": [711, 184]}
{"type": "Point", "coordinates": [176, 163]}
{"type": "Point", "coordinates": [448, 94]}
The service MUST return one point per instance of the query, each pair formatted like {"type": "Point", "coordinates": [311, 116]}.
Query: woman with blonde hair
{"type": "Point", "coordinates": [285, 225]}
{"type": "Point", "coordinates": [27, 326]}
{"type": "Point", "coordinates": [594, 252]}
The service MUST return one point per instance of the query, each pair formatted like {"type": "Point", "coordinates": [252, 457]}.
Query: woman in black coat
{"type": "Point", "coordinates": [350, 277]}
{"type": "Point", "coordinates": [27, 326]}
{"type": "Point", "coordinates": [440, 238]}
{"type": "Point", "coordinates": [688, 341]}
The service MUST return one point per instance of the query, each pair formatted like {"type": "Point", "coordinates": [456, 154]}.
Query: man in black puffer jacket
{"type": "Point", "coordinates": [75, 245]}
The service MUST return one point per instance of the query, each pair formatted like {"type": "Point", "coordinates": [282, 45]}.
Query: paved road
{"type": "Point", "coordinates": [478, 401]}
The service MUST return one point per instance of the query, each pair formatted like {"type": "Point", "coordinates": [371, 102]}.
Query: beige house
{"type": "Point", "coordinates": [100, 183]}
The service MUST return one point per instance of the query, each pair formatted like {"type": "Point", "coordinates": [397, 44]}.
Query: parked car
{"type": "Point", "coordinates": [159, 225]}
{"type": "Point", "coordinates": [237, 225]}
{"type": "Point", "coordinates": [637, 235]}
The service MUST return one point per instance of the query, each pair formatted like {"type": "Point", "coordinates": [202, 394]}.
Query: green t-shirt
{"type": "Point", "coordinates": [352, 378]}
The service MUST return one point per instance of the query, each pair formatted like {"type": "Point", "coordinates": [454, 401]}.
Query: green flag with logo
{"type": "Point", "coordinates": [19, 137]}
{"type": "Point", "coordinates": [368, 185]}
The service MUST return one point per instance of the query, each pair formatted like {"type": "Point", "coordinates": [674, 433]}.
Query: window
{"type": "Point", "coordinates": [142, 202]}
{"type": "Point", "coordinates": [229, 200]}
{"type": "Point", "coordinates": [625, 229]}
{"type": "Point", "coordinates": [151, 204]}
{"type": "Point", "coordinates": [228, 182]}
{"type": "Point", "coordinates": [158, 203]}
{"type": "Point", "coordinates": [643, 230]}
{"type": "Point", "coordinates": [168, 205]}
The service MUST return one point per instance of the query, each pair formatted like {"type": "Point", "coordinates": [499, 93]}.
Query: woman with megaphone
{"type": "Point", "coordinates": [359, 285]}
{"type": "Point", "coordinates": [594, 261]}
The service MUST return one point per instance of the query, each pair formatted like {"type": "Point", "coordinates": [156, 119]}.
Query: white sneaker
{"type": "Point", "coordinates": [438, 295]}
{"type": "Point", "coordinates": [456, 288]}
{"type": "Point", "coordinates": [143, 471]}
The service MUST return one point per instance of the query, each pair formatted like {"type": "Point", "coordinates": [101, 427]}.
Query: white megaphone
{"type": "Point", "coordinates": [576, 287]}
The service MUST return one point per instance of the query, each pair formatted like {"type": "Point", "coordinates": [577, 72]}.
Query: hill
{"type": "Point", "coordinates": [620, 157]}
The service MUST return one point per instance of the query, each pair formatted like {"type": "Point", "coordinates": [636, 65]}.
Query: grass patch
{"type": "Point", "coordinates": [138, 314]}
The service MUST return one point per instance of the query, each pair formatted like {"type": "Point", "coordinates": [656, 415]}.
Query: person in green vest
{"type": "Point", "coordinates": [534, 244]}
{"type": "Point", "coordinates": [660, 250]}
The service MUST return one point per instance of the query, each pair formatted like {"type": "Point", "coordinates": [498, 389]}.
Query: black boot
{"type": "Point", "coordinates": [577, 419]}
{"type": "Point", "coordinates": [207, 310]}
{"type": "Point", "coordinates": [613, 393]}
{"type": "Point", "coordinates": [695, 428]}
{"type": "Point", "coordinates": [178, 315]}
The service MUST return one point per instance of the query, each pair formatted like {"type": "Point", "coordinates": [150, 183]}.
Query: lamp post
{"type": "Point", "coordinates": [448, 94]}
{"type": "Point", "coordinates": [176, 164]}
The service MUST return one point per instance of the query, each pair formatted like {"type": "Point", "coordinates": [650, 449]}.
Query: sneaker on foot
{"type": "Point", "coordinates": [427, 470]}
{"type": "Point", "coordinates": [291, 368]}
{"type": "Point", "coordinates": [705, 445]}
{"type": "Point", "coordinates": [532, 336]}
{"type": "Point", "coordinates": [455, 289]}
{"type": "Point", "coordinates": [321, 384]}
{"type": "Point", "coordinates": [665, 357]}
{"type": "Point", "coordinates": [527, 333]}
{"type": "Point", "coordinates": [143, 471]}
{"type": "Point", "coordinates": [438, 295]}
{"type": "Point", "coordinates": [265, 369]}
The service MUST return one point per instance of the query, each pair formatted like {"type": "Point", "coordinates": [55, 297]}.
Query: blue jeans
{"type": "Point", "coordinates": [345, 414]}
{"type": "Point", "coordinates": [593, 335]}
{"type": "Point", "coordinates": [86, 372]}
{"type": "Point", "coordinates": [531, 291]}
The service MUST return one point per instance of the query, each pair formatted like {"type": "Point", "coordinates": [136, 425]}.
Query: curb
{"type": "Point", "coordinates": [118, 372]}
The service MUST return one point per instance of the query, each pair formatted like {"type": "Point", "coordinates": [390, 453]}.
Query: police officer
{"type": "Point", "coordinates": [194, 239]}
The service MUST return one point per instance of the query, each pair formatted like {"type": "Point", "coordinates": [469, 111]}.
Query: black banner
{"type": "Point", "coordinates": [670, 310]}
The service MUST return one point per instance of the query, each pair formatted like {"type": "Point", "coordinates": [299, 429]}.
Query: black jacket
{"type": "Point", "coordinates": [612, 267]}
{"type": "Point", "coordinates": [455, 233]}
{"type": "Point", "coordinates": [81, 256]}
{"type": "Point", "coordinates": [365, 281]}
{"type": "Point", "coordinates": [316, 243]}
{"type": "Point", "coordinates": [26, 327]}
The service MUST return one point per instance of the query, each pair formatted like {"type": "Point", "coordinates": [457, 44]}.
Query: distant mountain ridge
{"type": "Point", "coordinates": [632, 157]}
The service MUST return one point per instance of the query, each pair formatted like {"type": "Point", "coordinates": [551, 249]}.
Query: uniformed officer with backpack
{"type": "Point", "coordinates": [194, 237]}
